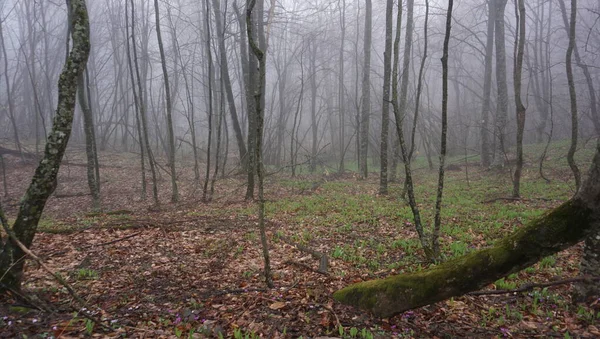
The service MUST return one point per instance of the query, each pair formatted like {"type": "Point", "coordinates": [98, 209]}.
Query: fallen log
{"type": "Point", "coordinates": [559, 229]}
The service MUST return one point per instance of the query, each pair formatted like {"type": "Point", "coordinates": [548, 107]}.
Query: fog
{"type": "Point", "coordinates": [315, 77]}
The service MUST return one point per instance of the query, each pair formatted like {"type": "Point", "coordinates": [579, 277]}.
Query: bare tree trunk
{"type": "Point", "coordinates": [44, 180]}
{"type": "Point", "coordinates": [294, 137]}
{"type": "Point", "coordinates": [259, 88]}
{"type": "Point", "coordinates": [487, 85]}
{"type": "Point", "coordinates": [136, 102]}
{"type": "Point", "coordinates": [142, 106]}
{"type": "Point", "coordinates": [170, 132]}
{"type": "Point", "coordinates": [520, 15]}
{"type": "Point", "coordinates": [435, 244]}
{"type": "Point", "coordinates": [313, 104]}
{"type": "Point", "coordinates": [221, 117]}
{"type": "Point", "coordinates": [366, 93]}
{"type": "Point", "coordinates": [395, 139]}
{"type": "Point", "coordinates": [90, 143]}
{"type": "Point", "coordinates": [341, 87]}
{"type": "Point", "coordinates": [385, 105]}
{"type": "Point", "coordinates": [227, 80]}
{"type": "Point", "coordinates": [402, 146]}
{"type": "Point", "coordinates": [419, 83]}
{"type": "Point", "coordinates": [404, 85]}
{"type": "Point", "coordinates": [211, 81]}
{"type": "Point", "coordinates": [501, 84]}
{"type": "Point", "coordinates": [11, 103]}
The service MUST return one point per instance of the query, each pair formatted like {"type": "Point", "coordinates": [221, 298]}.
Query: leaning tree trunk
{"type": "Point", "coordinates": [44, 180]}
{"type": "Point", "coordinates": [559, 229]}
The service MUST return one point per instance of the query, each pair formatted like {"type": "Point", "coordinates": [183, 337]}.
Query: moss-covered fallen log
{"type": "Point", "coordinates": [559, 229]}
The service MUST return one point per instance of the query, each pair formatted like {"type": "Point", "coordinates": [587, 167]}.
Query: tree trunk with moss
{"type": "Point", "coordinates": [559, 229]}
{"type": "Point", "coordinates": [44, 180]}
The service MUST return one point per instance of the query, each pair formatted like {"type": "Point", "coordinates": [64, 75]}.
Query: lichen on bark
{"type": "Point", "coordinates": [45, 176]}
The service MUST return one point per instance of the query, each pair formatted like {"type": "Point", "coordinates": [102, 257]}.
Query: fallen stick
{"type": "Point", "coordinates": [71, 195]}
{"type": "Point", "coordinates": [531, 286]}
{"type": "Point", "coordinates": [112, 241]}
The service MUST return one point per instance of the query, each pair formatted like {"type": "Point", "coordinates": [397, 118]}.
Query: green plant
{"type": "Point", "coordinates": [86, 274]}
{"type": "Point", "coordinates": [548, 262]}
{"type": "Point", "coordinates": [458, 248]}
{"type": "Point", "coordinates": [89, 326]}
{"type": "Point", "coordinates": [505, 285]}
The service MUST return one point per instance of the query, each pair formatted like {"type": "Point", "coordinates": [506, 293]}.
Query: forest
{"type": "Point", "coordinates": [299, 169]}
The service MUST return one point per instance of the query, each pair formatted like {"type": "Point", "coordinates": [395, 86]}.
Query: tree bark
{"type": "Point", "coordinates": [520, 108]}
{"type": "Point", "coordinates": [170, 132]}
{"type": "Point", "coordinates": [259, 114]}
{"type": "Point", "coordinates": [44, 180]}
{"type": "Point", "coordinates": [142, 103]}
{"type": "Point", "coordinates": [227, 82]}
{"type": "Point", "coordinates": [385, 105]}
{"type": "Point", "coordinates": [136, 102]}
{"type": "Point", "coordinates": [435, 244]}
{"type": "Point", "coordinates": [90, 143]}
{"type": "Point", "coordinates": [501, 84]}
{"type": "Point", "coordinates": [487, 86]}
{"type": "Point", "coordinates": [559, 229]}
{"type": "Point", "coordinates": [572, 91]}
{"type": "Point", "coordinates": [11, 103]}
{"type": "Point", "coordinates": [366, 93]}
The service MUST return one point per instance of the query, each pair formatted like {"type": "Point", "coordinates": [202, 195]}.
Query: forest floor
{"type": "Point", "coordinates": [194, 269]}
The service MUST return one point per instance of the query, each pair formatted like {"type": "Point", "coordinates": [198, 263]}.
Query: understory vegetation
{"type": "Point", "coordinates": [193, 269]}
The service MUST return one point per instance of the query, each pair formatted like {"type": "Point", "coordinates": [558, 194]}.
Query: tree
{"type": "Point", "coordinates": [520, 43]}
{"type": "Point", "coordinates": [487, 85]}
{"type": "Point", "coordinates": [171, 136]}
{"type": "Point", "coordinates": [366, 93]}
{"type": "Point", "coordinates": [210, 91]}
{"type": "Point", "coordinates": [44, 180]}
{"type": "Point", "coordinates": [93, 167]}
{"type": "Point", "coordinates": [142, 106]}
{"type": "Point", "coordinates": [501, 84]}
{"type": "Point", "coordinates": [591, 254]}
{"type": "Point", "coordinates": [559, 229]}
{"type": "Point", "coordinates": [385, 105]}
{"type": "Point", "coordinates": [259, 115]}
{"type": "Point", "coordinates": [572, 92]}
{"type": "Point", "coordinates": [227, 83]}
{"type": "Point", "coordinates": [11, 103]}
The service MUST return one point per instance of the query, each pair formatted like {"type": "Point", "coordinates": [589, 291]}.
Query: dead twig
{"type": "Point", "coordinates": [530, 286]}
{"type": "Point", "coordinates": [112, 241]}
{"type": "Point", "coordinates": [516, 199]}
